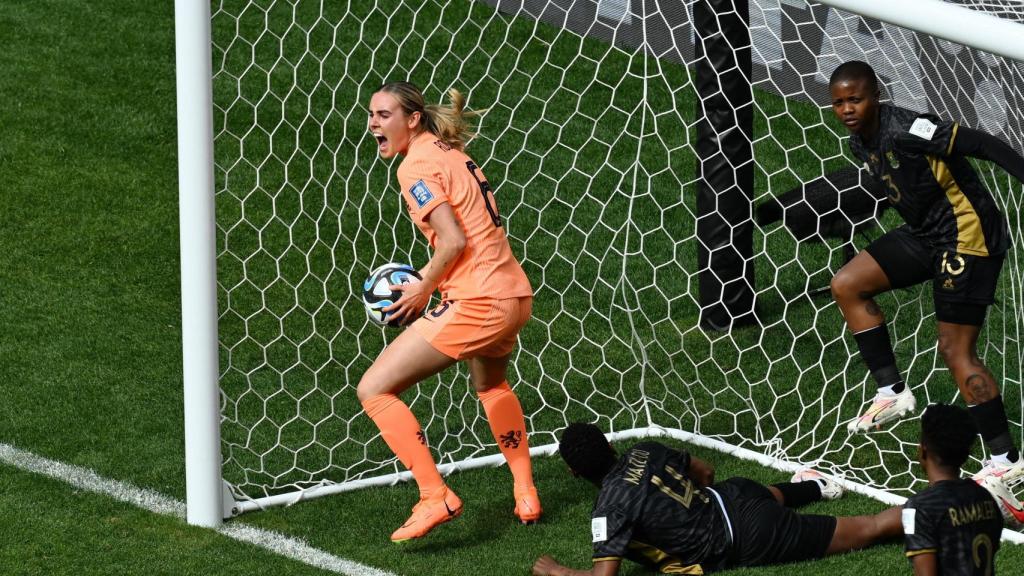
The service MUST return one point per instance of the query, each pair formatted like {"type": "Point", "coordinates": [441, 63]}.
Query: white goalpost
{"type": "Point", "coordinates": [596, 138]}
{"type": "Point", "coordinates": [198, 267]}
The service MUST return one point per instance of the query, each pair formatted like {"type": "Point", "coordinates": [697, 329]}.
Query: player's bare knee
{"type": "Point", "coordinates": [840, 286]}
{"type": "Point", "coordinates": [955, 353]}
{"type": "Point", "coordinates": [484, 384]}
{"type": "Point", "coordinates": [363, 392]}
{"type": "Point", "coordinates": [368, 387]}
{"type": "Point", "coordinates": [848, 288]}
{"type": "Point", "coordinates": [486, 373]}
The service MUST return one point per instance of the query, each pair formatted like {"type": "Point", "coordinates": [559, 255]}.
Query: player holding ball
{"type": "Point", "coordinates": [486, 299]}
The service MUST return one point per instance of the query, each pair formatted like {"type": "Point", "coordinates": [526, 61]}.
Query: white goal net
{"type": "Point", "coordinates": [590, 144]}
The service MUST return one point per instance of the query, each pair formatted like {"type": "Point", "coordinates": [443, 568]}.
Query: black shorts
{"type": "Point", "coordinates": [766, 532]}
{"type": "Point", "coordinates": [958, 280]}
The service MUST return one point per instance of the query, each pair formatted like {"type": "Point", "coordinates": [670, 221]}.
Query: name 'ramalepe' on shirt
{"type": "Point", "coordinates": [959, 522]}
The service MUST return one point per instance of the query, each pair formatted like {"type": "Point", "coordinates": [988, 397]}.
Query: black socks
{"type": "Point", "coordinates": [876, 350]}
{"type": "Point", "coordinates": [795, 494]}
{"type": "Point", "coordinates": [990, 418]}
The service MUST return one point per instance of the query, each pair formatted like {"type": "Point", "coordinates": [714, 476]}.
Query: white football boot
{"type": "Point", "coordinates": [830, 489]}
{"type": "Point", "coordinates": [1011, 508]}
{"type": "Point", "coordinates": [884, 408]}
{"type": "Point", "coordinates": [1005, 471]}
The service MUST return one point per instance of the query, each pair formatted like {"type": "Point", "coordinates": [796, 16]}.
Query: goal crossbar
{"type": "Point", "coordinates": [944, 20]}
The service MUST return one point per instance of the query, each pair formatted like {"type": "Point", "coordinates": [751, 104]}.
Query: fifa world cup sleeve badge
{"type": "Point", "coordinates": [421, 194]}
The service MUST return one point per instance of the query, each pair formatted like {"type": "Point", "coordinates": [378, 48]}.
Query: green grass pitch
{"type": "Point", "coordinates": [90, 352]}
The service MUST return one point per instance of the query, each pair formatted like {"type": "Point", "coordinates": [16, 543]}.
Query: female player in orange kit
{"type": "Point", "coordinates": [485, 300]}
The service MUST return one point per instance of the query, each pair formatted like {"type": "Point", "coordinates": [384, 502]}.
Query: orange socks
{"type": "Point", "coordinates": [401, 431]}
{"type": "Point", "coordinates": [505, 415]}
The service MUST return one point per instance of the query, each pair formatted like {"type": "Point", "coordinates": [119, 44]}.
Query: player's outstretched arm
{"type": "Point", "coordinates": [978, 144]}
{"type": "Point", "coordinates": [925, 565]}
{"type": "Point", "coordinates": [857, 532]}
{"type": "Point", "coordinates": [547, 566]}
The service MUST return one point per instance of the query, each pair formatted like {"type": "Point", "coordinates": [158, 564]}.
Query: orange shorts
{"type": "Point", "coordinates": [485, 327]}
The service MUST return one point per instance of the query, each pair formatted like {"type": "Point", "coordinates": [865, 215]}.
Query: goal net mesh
{"type": "Point", "coordinates": [589, 141]}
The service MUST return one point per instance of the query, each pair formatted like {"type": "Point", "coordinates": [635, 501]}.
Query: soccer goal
{"type": "Point", "coordinates": [629, 143]}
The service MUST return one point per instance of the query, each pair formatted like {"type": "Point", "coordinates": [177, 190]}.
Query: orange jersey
{"type": "Point", "coordinates": [433, 173]}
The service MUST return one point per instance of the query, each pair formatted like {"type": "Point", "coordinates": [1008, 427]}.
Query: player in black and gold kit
{"type": "Point", "coordinates": [953, 526]}
{"type": "Point", "coordinates": [660, 507]}
{"type": "Point", "coordinates": [955, 236]}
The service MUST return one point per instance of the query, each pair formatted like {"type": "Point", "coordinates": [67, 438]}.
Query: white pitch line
{"type": "Point", "coordinates": [86, 479]}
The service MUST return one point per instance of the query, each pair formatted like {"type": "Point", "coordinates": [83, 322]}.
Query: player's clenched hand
{"type": "Point", "coordinates": [546, 566]}
{"type": "Point", "coordinates": [701, 472]}
{"type": "Point", "coordinates": [415, 297]}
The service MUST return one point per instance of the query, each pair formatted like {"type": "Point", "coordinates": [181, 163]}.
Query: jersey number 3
{"type": "Point", "coordinates": [484, 189]}
{"type": "Point", "coordinates": [896, 195]}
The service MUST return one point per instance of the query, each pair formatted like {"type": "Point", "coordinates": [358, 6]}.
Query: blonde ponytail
{"type": "Point", "coordinates": [449, 123]}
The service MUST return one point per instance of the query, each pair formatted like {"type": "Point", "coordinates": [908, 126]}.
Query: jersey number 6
{"type": "Point", "coordinates": [484, 189]}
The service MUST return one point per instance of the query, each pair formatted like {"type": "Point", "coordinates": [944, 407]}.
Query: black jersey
{"type": "Point", "coordinates": [650, 512]}
{"type": "Point", "coordinates": [959, 522]}
{"type": "Point", "coordinates": [935, 189]}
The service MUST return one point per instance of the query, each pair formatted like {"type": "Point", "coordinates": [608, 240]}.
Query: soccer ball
{"type": "Point", "coordinates": [377, 295]}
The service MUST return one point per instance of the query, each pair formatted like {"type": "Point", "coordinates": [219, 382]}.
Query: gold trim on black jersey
{"type": "Point", "coordinates": [912, 553]}
{"type": "Point", "coordinates": [952, 137]}
{"type": "Point", "coordinates": [666, 564]}
{"type": "Point", "coordinates": [684, 499]}
{"type": "Point", "coordinates": [970, 237]}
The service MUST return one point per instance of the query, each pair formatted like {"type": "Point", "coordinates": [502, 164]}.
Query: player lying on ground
{"type": "Point", "coordinates": [953, 526]}
{"type": "Point", "coordinates": [955, 236]}
{"type": "Point", "coordinates": [660, 507]}
{"type": "Point", "coordinates": [485, 300]}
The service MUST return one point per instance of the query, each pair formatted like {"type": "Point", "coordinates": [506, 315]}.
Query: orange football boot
{"type": "Point", "coordinates": [427, 514]}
